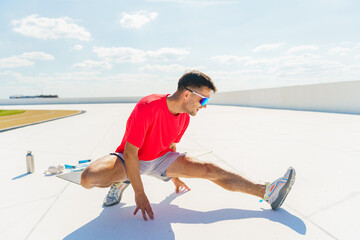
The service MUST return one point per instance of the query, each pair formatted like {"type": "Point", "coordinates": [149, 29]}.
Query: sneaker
{"type": "Point", "coordinates": [114, 195]}
{"type": "Point", "coordinates": [277, 191]}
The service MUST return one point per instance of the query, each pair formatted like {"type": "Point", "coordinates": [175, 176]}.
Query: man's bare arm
{"type": "Point", "coordinates": [133, 171]}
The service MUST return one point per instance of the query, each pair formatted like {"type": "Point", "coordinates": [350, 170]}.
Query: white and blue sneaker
{"type": "Point", "coordinates": [277, 191]}
{"type": "Point", "coordinates": [115, 193]}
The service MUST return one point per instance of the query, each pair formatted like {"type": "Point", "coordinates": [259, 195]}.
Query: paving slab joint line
{"type": "Point", "coordinates": [310, 143]}
{"type": "Point", "coordinates": [353, 195]}
{"type": "Point", "coordinates": [215, 155]}
{"type": "Point", "coordinates": [200, 145]}
{"type": "Point", "coordinates": [284, 137]}
{"type": "Point", "coordinates": [104, 136]}
{"type": "Point", "coordinates": [47, 211]}
{"type": "Point", "coordinates": [203, 154]}
{"type": "Point", "coordinates": [30, 124]}
{"type": "Point", "coordinates": [24, 203]}
{"type": "Point", "coordinates": [322, 229]}
{"type": "Point", "coordinates": [231, 166]}
{"type": "Point", "coordinates": [311, 221]}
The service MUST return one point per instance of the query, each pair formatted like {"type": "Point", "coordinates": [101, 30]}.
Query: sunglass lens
{"type": "Point", "coordinates": [204, 101]}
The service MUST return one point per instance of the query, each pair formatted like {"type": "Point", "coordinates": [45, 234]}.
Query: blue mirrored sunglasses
{"type": "Point", "coordinates": [204, 99]}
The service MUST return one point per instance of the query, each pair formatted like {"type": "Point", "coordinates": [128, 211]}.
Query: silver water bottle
{"type": "Point", "coordinates": [30, 168]}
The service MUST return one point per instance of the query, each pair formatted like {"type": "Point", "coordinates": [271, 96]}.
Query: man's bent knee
{"type": "Point", "coordinates": [85, 179]}
{"type": "Point", "coordinates": [103, 172]}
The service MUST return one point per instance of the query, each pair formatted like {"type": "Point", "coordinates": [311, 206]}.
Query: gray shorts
{"type": "Point", "coordinates": [157, 167]}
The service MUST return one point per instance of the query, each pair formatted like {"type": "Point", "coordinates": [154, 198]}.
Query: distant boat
{"type": "Point", "coordinates": [35, 96]}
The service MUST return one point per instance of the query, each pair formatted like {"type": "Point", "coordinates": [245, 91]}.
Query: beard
{"type": "Point", "coordinates": [193, 112]}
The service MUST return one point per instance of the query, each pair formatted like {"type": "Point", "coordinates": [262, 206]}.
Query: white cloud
{"type": "Point", "coordinates": [15, 61]}
{"type": "Point", "coordinates": [132, 55]}
{"type": "Point", "coordinates": [339, 51]}
{"type": "Point", "coordinates": [85, 84]}
{"type": "Point", "coordinates": [137, 19]}
{"type": "Point", "coordinates": [50, 28]}
{"type": "Point", "coordinates": [37, 55]}
{"type": "Point", "coordinates": [229, 59]}
{"type": "Point", "coordinates": [196, 2]}
{"type": "Point", "coordinates": [167, 54]}
{"type": "Point", "coordinates": [284, 61]}
{"type": "Point", "coordinates": [300, 68]}
{"type": "Point", "coordinates": [302, 48]}
{"type": "Point", "coordinates": [301, 64]}
{"type": "Point", "coordinates": [268, 47]}
{"type": "Point", "coordinates": [235, 75]}
{"type": "Point", "coordinates": [90, 64]}
{"type": "Point", "coordinates": [251, 61]}
{"type": "Point", "coordinates": [78, 47]}
{"type": "Point", "coordinates": [283, 71]}
{"type": "Point", "coordinates": [120, 54]}
{"type": "Point", "coordinates": [78, 76]}
{"type": "Point", "coordinates": [167, 68]}
{"type": "Point", "coordinates": [60, 78]}
{"type": "Point", "coordinates": [297, 65]}
{"type": "Point", "coordinates": [23, 59]}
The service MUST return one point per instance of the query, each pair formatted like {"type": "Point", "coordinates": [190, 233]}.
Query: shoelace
{"type": "Point", "coordinates": [267, 192]}
{"type": "Point", "coordinates": [267, 185]}
{"type": "Point", "coordinates": [112, 191]}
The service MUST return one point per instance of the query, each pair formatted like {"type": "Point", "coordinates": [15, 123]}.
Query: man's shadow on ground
{"type": "Point", "coordinates": [119, 222]}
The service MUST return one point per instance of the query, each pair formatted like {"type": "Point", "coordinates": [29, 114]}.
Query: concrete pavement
{"type": "Point", "coordinates": [259, 143]}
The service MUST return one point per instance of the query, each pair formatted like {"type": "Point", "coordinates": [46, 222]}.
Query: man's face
{"type": "Point", "coordinates": [193, 104]}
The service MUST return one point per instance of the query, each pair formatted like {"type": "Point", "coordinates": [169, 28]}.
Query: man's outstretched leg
{"type": "Point", "coordinates": [105, 172]}
{"type": "Point", "coordinates": [274, 193]}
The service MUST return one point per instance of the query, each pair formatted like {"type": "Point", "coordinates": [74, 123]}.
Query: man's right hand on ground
{"type": "Point", "coordinates": [143, 204]}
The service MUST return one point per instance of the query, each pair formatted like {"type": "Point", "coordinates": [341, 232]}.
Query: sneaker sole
{"type": "Point", "coordinates": [284, 191]}
{"type": "Point", "coordinates": [114, 203]}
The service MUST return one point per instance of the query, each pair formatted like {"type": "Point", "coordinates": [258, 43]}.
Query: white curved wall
{"type": "Point", "coordinates": [340, 97]}
{"type": "Point", "coordinates": [36, 101]}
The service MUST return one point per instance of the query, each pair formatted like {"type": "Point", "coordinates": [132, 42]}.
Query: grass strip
{"type": "Point", "coordinates": [10, 112]}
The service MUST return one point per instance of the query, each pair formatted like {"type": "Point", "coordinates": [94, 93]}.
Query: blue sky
{"type": "Point", "coordinates": [88, 48]}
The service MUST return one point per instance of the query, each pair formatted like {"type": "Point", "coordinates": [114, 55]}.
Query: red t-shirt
{"type": "Point", "coordinates": [152, 128]}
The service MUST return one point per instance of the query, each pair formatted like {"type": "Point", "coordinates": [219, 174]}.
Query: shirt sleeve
{"type": "Point", "coordinates": [186, 124]}
{"type": "Point", "coordinates": [141, 119]}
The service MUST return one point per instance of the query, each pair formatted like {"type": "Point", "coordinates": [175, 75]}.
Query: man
{"type": "Point", "coordinates": [153, 129]}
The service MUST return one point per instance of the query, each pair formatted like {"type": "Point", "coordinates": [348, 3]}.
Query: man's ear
{"type": "Point", "coordinates": [186, 94]}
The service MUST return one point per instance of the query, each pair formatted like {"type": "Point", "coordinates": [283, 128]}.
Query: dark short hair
{"type": "Point", "coordinates": [195, 79]}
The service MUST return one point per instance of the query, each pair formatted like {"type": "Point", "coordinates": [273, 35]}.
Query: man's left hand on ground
{"type": "Point", "coordinates": [180, 185]}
